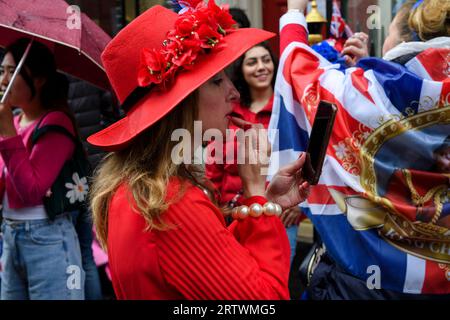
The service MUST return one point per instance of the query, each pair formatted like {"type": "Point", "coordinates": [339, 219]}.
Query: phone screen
{"type": "Point", "coordinates": [318, 140]}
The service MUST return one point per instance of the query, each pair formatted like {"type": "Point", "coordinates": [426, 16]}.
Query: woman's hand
{"type": "Point", "coordinates": [356, 48]}
{"type": "Point", "coordinates": [253, 157]}
{"type": "Point", "coordinates": [291, 216]}
{"type": "Point", "coordinates": [287, 187]}
{"type": "Point", "coordinates": [7, 128]}
{"type": "Point", "coordinates": [298, 4]}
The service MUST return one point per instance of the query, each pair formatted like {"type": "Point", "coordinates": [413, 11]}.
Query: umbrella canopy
{"type": "Point", "coordinates": [77, 47]}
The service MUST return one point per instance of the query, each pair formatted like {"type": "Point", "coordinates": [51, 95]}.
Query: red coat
{"type": "Point", "coordinates": [199, 258]}
{"type": "Point", "coordinates": [225, 176]}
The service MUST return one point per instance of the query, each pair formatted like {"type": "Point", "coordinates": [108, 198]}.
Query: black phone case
{"type": "Point", "coordinates": [312, 173]}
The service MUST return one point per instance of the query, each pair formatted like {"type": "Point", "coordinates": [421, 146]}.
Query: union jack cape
{"type": "Point", "coordinates": [383, 197]}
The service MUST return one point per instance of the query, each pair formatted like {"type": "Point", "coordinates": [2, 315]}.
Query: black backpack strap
{"type": "Point", "coordinates": [40, 131]}
{"type": "Point", "coordinates": [80, 152]}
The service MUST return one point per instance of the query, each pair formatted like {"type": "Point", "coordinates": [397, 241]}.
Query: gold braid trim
{"type": "Point", "coordinates": [439, 205]}
{"type": "Point", "coordinates": [417, 199]}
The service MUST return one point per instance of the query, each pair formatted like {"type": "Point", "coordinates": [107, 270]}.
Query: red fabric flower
{"type": "Point", "coordinates": [203, 15]}
{"type": "Point", "coordinates": [208, 36]}
{"type": "Point", "coordinates": [192, 43]}
{"type": "Point", "coordinates": [185, 59]}
{"type": "Point", "coordinates": [153, 67]}
{"type": "Point", "coordinates": [221, 16]}
{"type": "Point", "coordinates": [184, 26]}
{"type": "Point", "coordinates": [195, 32]}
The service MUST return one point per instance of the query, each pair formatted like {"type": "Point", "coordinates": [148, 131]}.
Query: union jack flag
{"type": "Point", "coordinates": [338, 25]}
{"type": "Point", "coordinates": [383, 197]}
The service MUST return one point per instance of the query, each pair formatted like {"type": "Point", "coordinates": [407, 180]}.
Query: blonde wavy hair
{"type": "Point", "coordinates": [431, 19]}
{"type": "Point", "coordinates": [146, 167]}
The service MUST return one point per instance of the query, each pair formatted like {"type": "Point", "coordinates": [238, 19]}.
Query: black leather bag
{"type": "Point", "coordinates": [69, 191]}
{"type": "Point", "coordinates": [310, 262]}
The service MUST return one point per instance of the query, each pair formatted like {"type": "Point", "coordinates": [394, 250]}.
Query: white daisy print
{"type": "Point", "coordinates": [77, 190]}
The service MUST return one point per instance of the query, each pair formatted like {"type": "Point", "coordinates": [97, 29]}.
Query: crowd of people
{"type": "Point", "coordinates": [224, 230]}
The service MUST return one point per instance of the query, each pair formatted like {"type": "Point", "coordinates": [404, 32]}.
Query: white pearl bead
{"type": "Point", "coordinates": [279, 210]}
{"type": "Point", "coordinates": [269, 209]}
{"type": "Point", "coordinates": [256, 210]}
{"type": "Point", "coordinates": [243, 212]}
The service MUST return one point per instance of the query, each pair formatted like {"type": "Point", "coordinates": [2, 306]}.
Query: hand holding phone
{"type": "Point", "coordinates": [318, 141]}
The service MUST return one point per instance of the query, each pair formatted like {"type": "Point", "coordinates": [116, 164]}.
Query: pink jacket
{"type": "Point", "coordinates": [31, 170]}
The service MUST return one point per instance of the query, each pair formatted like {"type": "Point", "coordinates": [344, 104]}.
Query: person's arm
{"type": "Point", "coordinates": [356, 48]}
{"type": "Point", "coordinates": [203, 260]}
{"type": "Point", "coordinates": [33, 174]}
{"type": "Point", "coordinates": [293, 25]}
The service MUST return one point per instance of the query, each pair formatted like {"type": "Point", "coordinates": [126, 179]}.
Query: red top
{"type": "Point", "coordinates": [199, 258]}
{"type": "Point", "coordinates": [225, 175]}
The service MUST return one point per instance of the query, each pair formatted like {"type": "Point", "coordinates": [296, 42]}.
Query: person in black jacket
{"type": "Point", "coordinates": [94, 110]}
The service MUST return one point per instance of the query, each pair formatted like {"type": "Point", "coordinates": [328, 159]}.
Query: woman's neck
{"type": "Point", "coordinates": [260, 98]}
{"type": "Point", "coordinates": [31, 113]}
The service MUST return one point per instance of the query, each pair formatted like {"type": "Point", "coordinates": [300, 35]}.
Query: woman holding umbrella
{"type": "Point", "coordinates": [39, 254]}
{"type": "Point", "coordinates": [165, 235]}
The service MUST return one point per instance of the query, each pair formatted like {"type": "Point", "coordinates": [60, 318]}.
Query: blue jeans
{"type": "Point", "coordinates": [83, 226]}
{"type": "Point", "coordinates": [41, 260]}
{"type": "Point", "coordinates": [292, 236]}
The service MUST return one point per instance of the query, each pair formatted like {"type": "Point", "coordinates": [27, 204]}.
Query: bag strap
{"type": "Point", "coordinates": [80, 152]}
{"type": "Point", "coordinates": [40, 131]}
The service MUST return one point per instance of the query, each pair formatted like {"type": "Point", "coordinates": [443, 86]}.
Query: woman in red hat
{"type": "Point", "coordinates": [166, 237]}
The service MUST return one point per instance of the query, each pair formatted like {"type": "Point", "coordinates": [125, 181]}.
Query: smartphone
{"type": "Point", "coordinates": [318, 141]}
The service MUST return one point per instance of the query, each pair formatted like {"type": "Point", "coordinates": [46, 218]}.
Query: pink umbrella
{"type": "Point", "coordinates": [76, 41]}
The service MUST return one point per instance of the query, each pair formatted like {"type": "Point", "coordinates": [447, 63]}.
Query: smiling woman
{"type": "Point", "coordinates": [254, 76]}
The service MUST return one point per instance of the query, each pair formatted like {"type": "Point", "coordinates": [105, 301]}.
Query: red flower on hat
{"type": "Point", "coordinates": [185, 59]}
{"type": "Point", "coordinates": [196, 32]}
{"type": "Point", "coordinates": [208, 36]}
{"type": "Point", "coordinates": [221, 16]}
{"type": "Point", "coordinates": [154, 68]}
{"type": "Point", "coordinates": [183, 26]}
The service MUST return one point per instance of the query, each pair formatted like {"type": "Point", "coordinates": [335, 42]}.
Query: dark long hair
{"type": "Point", "coordinates": [238, 77]}
{"type": "Point", "coordinates": [40, 63]}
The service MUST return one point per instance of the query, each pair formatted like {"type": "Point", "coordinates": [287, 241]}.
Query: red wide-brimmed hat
{"type": "Point", "coordinates": [151, 76]}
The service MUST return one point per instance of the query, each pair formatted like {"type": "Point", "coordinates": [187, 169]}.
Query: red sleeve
{"type": "Point", "coordinates": [214, 170]}
{"type": "Point", "coordinates": [33, 174]}
{"type": "Point", "coordinates": [292, 28]}
{"type": "Point", "coordinates": [204, 260]}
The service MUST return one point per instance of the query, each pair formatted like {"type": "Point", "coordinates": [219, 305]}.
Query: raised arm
{"type": "Point", "coordinates": [293, 25]}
